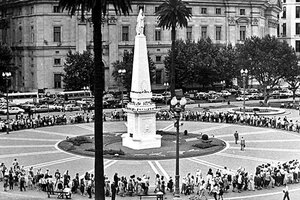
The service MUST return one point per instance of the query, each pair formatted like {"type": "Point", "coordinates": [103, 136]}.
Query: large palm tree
{"type": "Point", "coordinates": [173, 13]}
{"type": "Point", "coordinates": [98, 9]}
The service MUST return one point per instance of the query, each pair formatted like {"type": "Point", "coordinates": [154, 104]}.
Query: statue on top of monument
{"type": "Point", "coordinates": [140, 23]}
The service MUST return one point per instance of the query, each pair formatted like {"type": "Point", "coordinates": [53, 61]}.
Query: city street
{"type": "Point", "coordinates": [37, 148]}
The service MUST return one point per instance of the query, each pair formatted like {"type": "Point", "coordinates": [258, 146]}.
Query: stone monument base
{"type": "Point", "coordinates": [141, 143]}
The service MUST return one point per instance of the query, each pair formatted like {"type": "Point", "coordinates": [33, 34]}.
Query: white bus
{"type": "Point", "coordinates": [24, 97]}
{"type": "Point", "coordinates": [76, 95]}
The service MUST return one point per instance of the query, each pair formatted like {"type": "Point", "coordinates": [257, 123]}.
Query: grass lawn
{"type": "Point", "coordinates": [190, 145]}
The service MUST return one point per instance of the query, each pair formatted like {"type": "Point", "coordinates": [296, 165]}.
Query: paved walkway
{"type": "Point", "coordinates": [38, 148]}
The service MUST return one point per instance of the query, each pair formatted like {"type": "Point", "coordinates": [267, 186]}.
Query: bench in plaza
{"type": "Point", "coordinates": [158, 196]}
{"type": "Point", "coordinates": [60, 194]}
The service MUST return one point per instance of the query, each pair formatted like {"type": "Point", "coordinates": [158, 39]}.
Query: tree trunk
{"type": "Point", "coordinates": [266, 96]}
{"type": "Point", "coordinates": [172, 68]}
{"type": "Point", "coordinates": [294, 97]}
{"type": "Point", "coordinates": [98, 91]}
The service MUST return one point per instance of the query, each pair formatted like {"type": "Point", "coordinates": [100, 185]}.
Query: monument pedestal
{"type": "Point", "coordinates": [141, 128]}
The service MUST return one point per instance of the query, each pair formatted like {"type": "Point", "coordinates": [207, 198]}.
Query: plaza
{"type": "Point", "coordinates": [37, 148]}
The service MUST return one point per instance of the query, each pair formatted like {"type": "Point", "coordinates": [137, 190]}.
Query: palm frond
{"type": "Point", "coordinates": [173, 13]}
{"type": "Point", "coordinates": [120, 6]}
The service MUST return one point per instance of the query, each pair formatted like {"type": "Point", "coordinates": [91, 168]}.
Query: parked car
{"type": "Point", "coordinates": [241, 98]}
{"type": "Point", "coordinates": [72, 107]}
{"type": "Point", "coordinates": [225, 93]}
{"type": "Point", "coordinates": [157, 97]}
{"type": "Point", "coordinates": [27, 107]}
{"type": "Point", "coordinates": [12, 110]}
{"type": "Point", "coordinates": [189, 101]}
{"type": "Point", "coordinates": [202, 95]}
{"type": "Point", "coordinates": [216, 99]}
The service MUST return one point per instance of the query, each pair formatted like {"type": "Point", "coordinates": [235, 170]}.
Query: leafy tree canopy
{"type": "Point", "coordinates": [79, 70]}
{"type": "Point", "coordinates": [127, 64]}
{"type": "Point", "coordinates": [267, 59]}
{"type": "Point", "coordinates": [202, 62]}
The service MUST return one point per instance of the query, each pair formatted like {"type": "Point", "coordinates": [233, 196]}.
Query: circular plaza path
{"type": "Point", "coordinates": [38, 148]}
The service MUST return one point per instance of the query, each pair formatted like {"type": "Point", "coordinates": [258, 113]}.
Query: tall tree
{"type": "Point", "coordinates": [292, 77]}
{"type": "Point", "coordinates": [98, 9]}
{"type": "Point", "coordinates": [267, 60]}
{"type": "Point", "coordinates": [226, 63]}
{"type": "Point", "coordinates": [127, 64]}
{"type": "Point", "coordinates": [173, 13]}
{"type": "Point", "coordinates": [79, 70]}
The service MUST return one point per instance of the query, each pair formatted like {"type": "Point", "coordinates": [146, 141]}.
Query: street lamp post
{"type": "Point", "coordinates": [85, 105]}
{"type": "Point", "coordinates": [166, 88]}
{"type": "Point", "coordinates": [6, 76]}
{"type": "Point", "coordinates": [244, 73]}
{"type": "Point", "coordinates": [177, 108]}
{"type": "Point", "coordinates": [122, 74]}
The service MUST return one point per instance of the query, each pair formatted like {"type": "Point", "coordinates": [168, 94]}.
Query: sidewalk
{"type": "Point", "coordinates": [264, 194]}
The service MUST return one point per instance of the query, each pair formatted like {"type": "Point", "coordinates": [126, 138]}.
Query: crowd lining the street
{"type": "Point", "coordinates": [199, 184]}
{"type": "Point", "coordinates": [237, 118]}
{"type": "Point", "coordinates": [26, 122]}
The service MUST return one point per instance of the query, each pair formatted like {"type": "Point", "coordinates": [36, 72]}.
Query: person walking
{"type": "Point", "coordinates": [243, 144]}
{"type": "Point", "coordinates": [113, 191]}
{"type": "Point", "coordinates": [236, 137]}
{"type": "Point", "coordinates": [286, 193]}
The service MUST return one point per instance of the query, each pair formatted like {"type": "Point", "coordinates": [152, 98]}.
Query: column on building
{"type": "Point", "coordinates": [81, 42]}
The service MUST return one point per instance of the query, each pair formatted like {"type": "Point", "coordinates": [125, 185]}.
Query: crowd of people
{"type": "Point", "coordinates": [201, 185]}
{"type": "Point", "coordinates": [228, 117]}
{"type": "Point", "coordinates": [18, 177]}
{"type": "Point", "coordinates": [26, 122]}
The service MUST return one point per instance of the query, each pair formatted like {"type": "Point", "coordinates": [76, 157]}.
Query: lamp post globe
{"type": "Point", "coordinates": [6, 76]}
{"type": "Point", "coordinates": [244, 73]}
{"type": "Point", "coordinates": [121, 74]}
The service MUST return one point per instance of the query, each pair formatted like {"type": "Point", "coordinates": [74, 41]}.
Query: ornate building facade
{"type": "Point", "coordinates": [289, 28]}
{"type": "Point", "coordinates": [41, 35]}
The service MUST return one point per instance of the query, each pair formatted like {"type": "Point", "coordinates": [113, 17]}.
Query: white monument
{"type": "Point", "coordinates": [141, 122]}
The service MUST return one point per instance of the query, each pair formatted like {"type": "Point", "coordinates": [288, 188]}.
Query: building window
{"type": "Point", "coordinates": [189, 31]}
{"type": "Point", "coordinates": [297, 45]}
{"type": "Point", "coordinates": [4, 36]}
{"type": "Point", "coordinates": [242, 33]}
{"type": "Point", "coordinates": [20, 34]}
{"type": "Point", "coordinates": [204, 31]}
{"type": "Point", "coordinates": [157, 34]}
{"type": "Point", "coordinates": [218, 11]}
{"type": "Point", "coordinates": [284, 13]}
{"type": "Point", "coordinates": [203, 10]}
{"type": "Point", "coordinates": [57, 80]}
{"type": "Point", "coordinates": [32, 10]}
{"type": "Point", "coordinates": [156, 9]}
{"type": "Point", "coordinates": [57, 61]}
{"type": "Point", "coordinates": [218, 32]}
{"type": "Point", "coordinates": [158, 77]}
{"type": "Point", "coordinates": [56, 9]}
{"type": "Point", "coordinates": [57, 34]}
{"type": "Point", "coordinates": [296, 1]}
{"type": "Point", "coordinates": [242, 12]}
{"type": "Point", "coordinates": [284, 29]}
{"type": "Point", "coordinates": [125, 33]}
{"type": "Point", "coordinates": [191, 10]}
{"type": "Point", "coordinates": [141, 7]}
{"type": "Point", "coordinates": [32, 34]}
{"type": "Point", "coordinates": [297, 11]}
{"type": "Point", "coordinates": [158, 58]}
{"type": "Point", "coordinates": [297, 28]}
